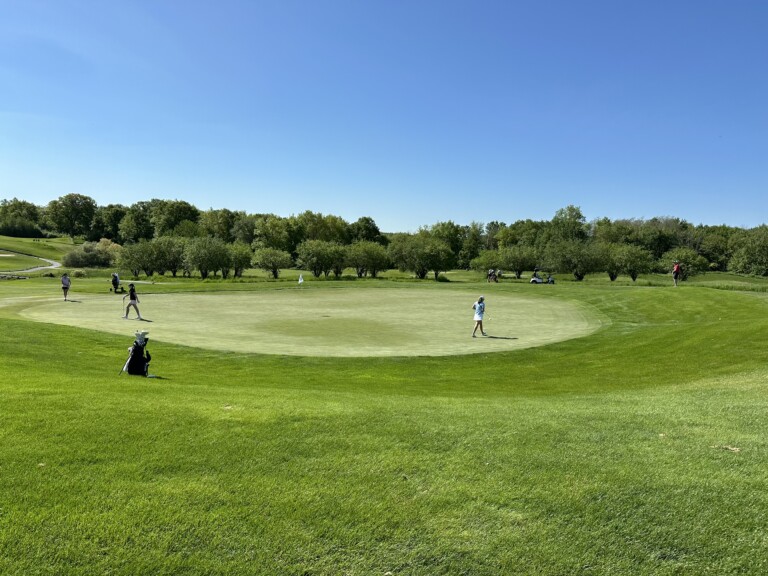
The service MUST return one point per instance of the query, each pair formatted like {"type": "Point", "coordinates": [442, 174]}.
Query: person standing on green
{"type": "Point", "coordinates": [65, 284]}
{"type": "Point", "coordinates": [133, 300]}
{"type": "Point", "coordinates": [479, 308]}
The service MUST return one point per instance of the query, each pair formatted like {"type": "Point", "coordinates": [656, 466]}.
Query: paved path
{"type": "Point", "coordinates": [51, 263]}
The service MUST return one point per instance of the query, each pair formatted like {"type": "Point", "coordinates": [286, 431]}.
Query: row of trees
{"type": "Point", "coordinates": [321, 243]}
{"type": "Point", "coordinates": [76, 215]}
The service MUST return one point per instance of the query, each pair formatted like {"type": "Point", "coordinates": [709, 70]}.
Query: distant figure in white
{"type": "Point", "coordinates": [479, 308]}
{"type": "Point", "coordinates": [133, 300]}
{"type": "Point", "coordinates": [301, 279]}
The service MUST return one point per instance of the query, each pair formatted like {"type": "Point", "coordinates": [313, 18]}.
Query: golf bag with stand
{"type": "Point", "coordinates": [138, 356]}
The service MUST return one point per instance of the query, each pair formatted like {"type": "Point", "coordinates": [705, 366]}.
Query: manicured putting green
{"type": "Point", "coordinates": [311, 321]}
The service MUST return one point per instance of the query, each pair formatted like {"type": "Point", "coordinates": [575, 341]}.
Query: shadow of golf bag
{"type": "Point", "coordinates": [138, 357]}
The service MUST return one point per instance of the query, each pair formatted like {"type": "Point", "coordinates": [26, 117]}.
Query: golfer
{"type": "Point", "coordinates": [479, 308]}
{"type": "Point", "coordinates": [133, 300]}
{"type": "Point", "coordinates": [65, 284]}
{"type": "Point", "coordinates": [676, 272]}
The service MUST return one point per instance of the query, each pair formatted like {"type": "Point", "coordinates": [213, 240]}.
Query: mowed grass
{"type": "Point", "coordinates": [637, 449]}
{"type": "Point", "coordinates": [13, 262]}
{"type": "Point", "coordinates": [330, 320]}
{"type": "Point", "coordinates": [51, 248]}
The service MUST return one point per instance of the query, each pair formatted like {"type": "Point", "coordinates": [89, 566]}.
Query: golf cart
{"type": "Point", "coordinates": [536, 279]}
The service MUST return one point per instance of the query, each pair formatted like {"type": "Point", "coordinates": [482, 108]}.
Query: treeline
{"type": "Point", "coordinates": [161, 236]}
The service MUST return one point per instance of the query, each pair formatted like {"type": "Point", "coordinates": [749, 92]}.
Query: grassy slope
{"type": "Point", "coordinates": [10, 262]}
{"type": "Point", "coordinates": [51, 248]}
{"type": "Point", "coordinates": [609, 454]}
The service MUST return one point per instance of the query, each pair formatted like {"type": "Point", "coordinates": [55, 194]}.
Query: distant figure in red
{"type": "Point", "coordinates": [676, 271]}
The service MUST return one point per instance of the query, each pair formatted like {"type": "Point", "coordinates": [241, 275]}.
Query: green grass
{"type": "Point", "coordinates": [11, 262]}
{"type": "Point", "coordinates": [369, 319]}
{"type": "Point", "coordinates": [51, 248]}
{"type": "Point", "coordinates": [639, 449]}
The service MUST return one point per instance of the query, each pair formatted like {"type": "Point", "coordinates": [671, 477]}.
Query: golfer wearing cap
{"type": "Point", "coordinates": [133, 300]}
{"type": "Point", "coordinates": [479, 308]}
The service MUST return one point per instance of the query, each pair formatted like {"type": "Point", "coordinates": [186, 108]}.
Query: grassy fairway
{"type": "Point", "coordinates": [636, 449]}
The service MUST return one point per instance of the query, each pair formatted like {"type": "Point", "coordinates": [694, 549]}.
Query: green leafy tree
{"type": "Point", "coordinates": [420, 253]}
{"type": "Point", "coordinates": [169, 254]}
{"type": "Point", "coordinates": [166, 215]}
{"type": "Point", "coordinates": [137, 224]}
{"type": "Point", "coordinates": [613, 232]}
{"type": "Point", "coordinates": [486, 260]}
{"type": "Point", "coordinates": [452, 235]}
{"type": "Point", "coordinates": [272, 231]}
{"type": "Point", "coordinates": [324, 227]}
{"type": "Point", "coordinates": [365, 229]}
{"type": "Point", "coordinates": [406, 253]}
{"type": "Point", "coordinates": [137, 257]}
{"type": "Point", "coordinates": [662, 234]}
{"type": "Point", "coordinates": [272, 260]}
{"type": "Point", "coordinates": [243, 228]}
{"type": "Point", "coordinates": [320, 257]}
{"type": "Point", "coordinates": [569, 224]}
{"type": "Point", "coordinates": [367, 257]}
{"type": "Point", "coordinates": [574, 256]}
{"type": "Point", "coordinates": [241, 256]}
{"type": "Point", "coordinates": [607, 254]}
{"type": "Point", "coordinates": [218, 223]}
{"type": "Point", "coordinates": [714, 246]}
{"type": "Point", "coordinates": [438, 256]}
{"type": "Point", "coordinates": [20, 218]}
{"type": "Point", "coordinates": [187, 229]}
{"type": "Point", "coordinates": [751, 257]}
{"type": "Point", "coordinates": [634, 260]}
{"type": "Point", "coordinates": [72, 214]}
{"type": "Point", "coordinates": [471, 245]}
{"type": "Point", "coordinates": [128, 260]}
{"type": "Point", "coordinates": [517, 258]}
{"type": "Point", "coordinates": [525, 232]}
{"type": "Point", "coordinates": [490, 238]}
{"type": "Point", "coordinates": [691, 262]}
{"type": "Point", "coordinates": [207, 255]}
{"type": "Point", "coordinates": [106, 222]}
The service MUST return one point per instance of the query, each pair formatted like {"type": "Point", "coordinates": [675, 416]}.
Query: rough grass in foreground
{"type": "Point", "coordinates": [637, 450]}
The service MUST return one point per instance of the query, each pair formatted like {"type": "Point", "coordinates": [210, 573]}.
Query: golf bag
{"type": "Point", "coordinates": [116, 284]}
{"type": "Point", "coordinates": [138, 357]}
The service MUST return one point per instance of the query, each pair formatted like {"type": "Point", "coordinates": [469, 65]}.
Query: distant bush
{"type": "Point", "coordinates": [101, 254]}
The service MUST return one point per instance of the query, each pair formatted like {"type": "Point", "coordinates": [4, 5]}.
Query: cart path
{"type": "Point", "coordinates": [51, 263]}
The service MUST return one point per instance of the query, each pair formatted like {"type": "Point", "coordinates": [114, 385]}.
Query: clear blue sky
{"type": "Point", "coordinates": [407, 111]}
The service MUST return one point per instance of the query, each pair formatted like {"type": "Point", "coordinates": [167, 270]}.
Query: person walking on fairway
{"type": "Point", "coordinates": [479, 308]}
{"type": "Point", "coordinates": [676, 272]}
{"type": "Point", "coordinates": [65, 284]}
{"type": "Point", "coordinates": [133, 300]}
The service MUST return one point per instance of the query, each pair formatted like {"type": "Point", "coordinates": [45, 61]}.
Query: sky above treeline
{"type": "Point", "coordinates": [408, 111]}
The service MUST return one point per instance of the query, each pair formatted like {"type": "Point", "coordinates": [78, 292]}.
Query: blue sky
{"type": "Point", "coordinates": [408, 111]}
